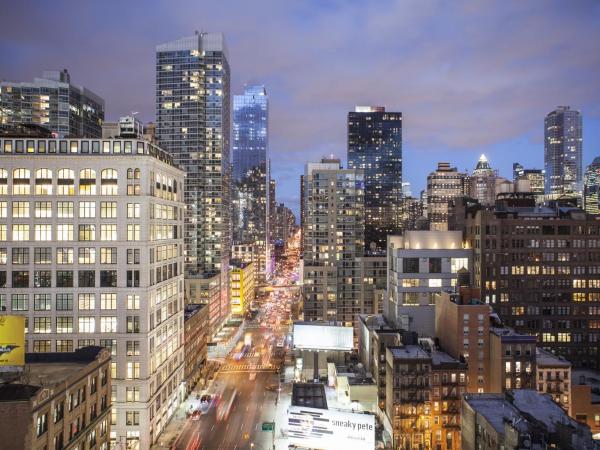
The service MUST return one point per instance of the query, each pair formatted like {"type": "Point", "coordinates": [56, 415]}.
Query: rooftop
{"type": "Point", "coordinates": [192, 309]}
{"type": "Point", "coordinates": [547, 359]}
{"type": "Point", "coordinates": [311, 395]}
{"type": "Point", "coordinates": [494, 408]}
{"type": "Point", "coordinates": [541, 407]}
{"type": "Point", "coordinates": [409, 352]}
{"type": "Point", "coordinates": [440, 358]}
{"type": "Point", "coordinates": [512, 335]}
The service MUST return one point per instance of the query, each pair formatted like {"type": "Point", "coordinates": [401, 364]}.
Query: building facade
{"type": "Point", "coordinates": [195, 344]}
{"type": "Point", "coordinates": [375, 147]}
{"type": "Point", "coordinates": [538, 268]}
{"type": "Point", "coordinates": [333, 240]}
{"type": "Point", "coordinates": [482, 182]}
{"type": "Point", "coordinates": [591, 187]}
{"type": "Point", "coordinates": [92, 254]}
{"type": "Point", "coordinates": [193, 125]}
{"type": "Point", "coordinates": [443, 185]}
{"type": "Point", "coordinates": [563, 152]}
{"type": "Point", "coordinates": [554, 378]}
{"type": "Point", "coordinates": [54, 103]}
{"type": "Point", "coordinates": [62, 401]}
{"type": "Point", "coordinates": [243, 288]}
{"type": "Point", "coordinates": [535, 177]}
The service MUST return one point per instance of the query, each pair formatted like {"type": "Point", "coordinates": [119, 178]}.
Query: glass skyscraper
{"type": "Point", "coordinates": [192, 112]}
{"type": "Point", "coordinates": [591, 199]}
{"type": "Point", "coordinates": [54, 103]}
{"type": "Point", "coordinates": [563, 152]}
{"type": "Point", "coordinates": [375, 147]}
{"type": "Point", "coordinates": [250, 130]}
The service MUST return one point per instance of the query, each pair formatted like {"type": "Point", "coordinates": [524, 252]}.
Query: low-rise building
{"type": "Point", "coordinates": [206, 290]}
{"type": "Point", "coordinates": [519, 419]}
{"type": "Point", "coordinates": [63, 400]}
{"type": "Point", "coordinates": [585, 399]}
{"type": "Point", "coordinates": [554, 377]}
{"type": "Point", "coordinates": [242, 287]}
{"type": "Point", "coordinates": [512, 360]}
{"type": "Point", "coordinates": [195, 328]}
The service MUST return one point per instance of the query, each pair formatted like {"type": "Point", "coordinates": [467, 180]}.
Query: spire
{"type": "Point", "coordinates": [482, 164]}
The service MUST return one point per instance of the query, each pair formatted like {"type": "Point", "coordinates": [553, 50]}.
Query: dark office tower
{"type": "Point", "coordinates": [53, 102]}
{"type": "Point", "coordinates": [563, 148]}
{"type": "Point", "coordinates": [375, 147]}
{"type": "Point", "coordinates": [591, 199]}
{"type": "Point", "coordinates": [250, 130]}
{"type": "Point", "coordinates": [192, 112]}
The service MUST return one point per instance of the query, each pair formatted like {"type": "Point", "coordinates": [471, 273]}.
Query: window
{"type": "Point", "coordinates": [41, 346]}
{"type": "Point", "coordinates": [64, 278]}
{"type": "Point", "coordinates": [19, 302]}
{"type": "Point", "coordinates": [65, 182]}
{"type": "Point", "coordinates": [20, 209]}
{"type": "Point", "coordinates": [435, 265]}
{"type": "Point", "coordinates": [108, 301]}
{"type": "Point", "coordinates": [133, 348]}
{"type": "Point", "coordinates": [108, 182]}
{"type": "Point", "coordinates": [64, 210]}
{"type": "Point", "coordinates": [133, 256]}
{"type": "Point", "coordinates": [87, 255]}
{"type": "Point", "coordinates": [87, 182]}
{"type": "Point", "coordinates": [64, 345]}
{"type": "Point", "coordinates": [108, 324]}
{"type": "Point", "coordinates": [133, 278]}
{"type": "Point", "coordinates": [133, 210]}
{"type": "Point", "coordinates": [20, 279]}
{"type": "Point", "coordinates": [43, 182]}
{"type": "Point", "coordinates": [87, 232]}
{"type": "Point", "coordinates": [64, 232]}
{"type": "Point", "coordinates": [64, 255]}
{"type": "Point", "coordinates": [133, 189]}
{"type": "Point", "coordinates": [87, 325]}
{"type": "Point", "coordinates": [64, 302]}
{"type": "Point", "coordinates": [4, 179]}
{"type": "Point", "coordinates": [87, 278]}
{"type": "Point", "coordinates": [42, 424]}
{"type": "Point", "coordinates": [3, 256]}
{"type": "Point", "coordinates": [42, 232]}
{"type": "Point", "coordinates": [20, 255]}
{"type": "Point", "coordinates": [110, 344]}
{"type": "Point", "coordinates": [132, 418]}
{"type": "Point", "coordinates": [3, 210]}
{"type": "Point", "coordinates": [86, 302]}
{"type": "Point", "coordinates": [108, 232]}
{"type": "Point", "coordinates": [133, 232]}
{"type": "Point", "coordinates": [85, 343]}
{"type": "Point", "coordinates": [20, 232]}
{"type": "Point", "coordinates": [3, 232]}
{"type": "Point", "coordinates": [108, 255]}
{"type": "Point", "coordinates": [43, 210]}
{"type": "Point", "coordinates": [42, 255]}
{"type": "Point", "coordinates": [133, 302]}
{"type": "Point", "coordinates": [133, 324]}
{"type": "Point", "coordinates": [435, 282]}
{"type": "Point", "coordinates": [42, 278]}
{"type": "Point", "coordinates": [64, 324]}
{"type": "Point", "coordinates": [42, 302]}
{"type": "Point", "coordinates": [133, 370]}
{"type": "Point", "coordinates": [108, 278]}
{"type": "Point", "coordinates": [108, 210]}
{"type": "Point", "coordinates": [133, 393]}
{"type": "Point", "coordinates": [87, 210]}
{"type": "Point", "coordinates": [59, 411]}
{"type": "Point", "coordinates": [42, 325]}
{"type": "Point", "coordinates": [21, 182]}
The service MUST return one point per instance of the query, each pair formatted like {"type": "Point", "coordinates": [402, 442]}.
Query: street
{"type": "Point", "coordinates": [246, 387]}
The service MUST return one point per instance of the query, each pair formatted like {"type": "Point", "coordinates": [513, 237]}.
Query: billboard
{"type": "Point", "coordinates": [330, 430]}
{"type": "Point", "coordinates": [323, 337]}
{"type": "Point", "coordinates": [12, 340]}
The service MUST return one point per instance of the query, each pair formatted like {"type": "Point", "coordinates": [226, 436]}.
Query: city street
{"type": "Point", "coordinates": [246, 387]}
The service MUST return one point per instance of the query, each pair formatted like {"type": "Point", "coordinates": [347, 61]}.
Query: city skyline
{"type": "Point", "coordinates": [454, 107]}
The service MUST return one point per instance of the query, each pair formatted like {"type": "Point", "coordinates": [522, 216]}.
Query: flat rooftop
{"type": "Point", "coordinates": [409, 351]}
{"type": "Point", "coordinates": [311, 395]}
{"type": "Point", "coordinates": [512, 334]}
{"type": "Point", "coordinates": [547, 359]}
{"type": "Point", "coordinates": [494, 408]}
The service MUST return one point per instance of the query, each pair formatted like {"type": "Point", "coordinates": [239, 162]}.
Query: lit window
{"type": "Point", "coordinates": [87, 210]}
{"type": "Point", "coordinates": [435, 282]}
{"type": "Point", "coordinates": [87, 324]}
{"type": "Point", "coordinates": [65, 182]}
{"type": "Point", "coordinates": [86, 302]}
{"type": "Point", "coordinates": [109, 182]}
{"type": "Point", "coordinates": [64, 232]}
{"type": "Point", "coordinates": [3, 210]}
{"type": "Point", "coordinates": [20, 209]}
{"type": "Point", "coordinates": [43, 182]}
{"type": "Point", "coordinates": [64, 210]}
{"type": "Point", "coordinates": [43, 232]}
{"type": "Point", "coordinates": [87, 182]}
{"type": "Point", "coordinates": [108, 324]}
{"type": "Point", "coordinates": [133, 232]}
{"type": "Point", "coordinates": [21, 182]}
{"type": "Point", "coordinates": [108, 301]}
{"type": "Point", "coordinates": [43, 210]}
{"type": "Point", "coordinates": [20, 232]}
{"type": "Point", "coordinates": [133, 210]}
{"type": "Point", "coordinates": [108, 210]}
{"type": "Point", "coordinates": [108, 232]}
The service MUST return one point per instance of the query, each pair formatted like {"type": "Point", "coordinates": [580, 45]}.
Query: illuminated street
{"type": "Point", "coordinates": [251, 373]}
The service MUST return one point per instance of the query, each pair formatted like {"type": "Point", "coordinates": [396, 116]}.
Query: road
{"type": "Point", "coordinates": [253, 374]}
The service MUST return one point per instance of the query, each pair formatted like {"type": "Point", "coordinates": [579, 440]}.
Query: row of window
{"type": "Point", "coordinates": [65, 278]}
{"type": "Point", "coordinates": [85, 232]}
{"type": "Point", "coordinates": [107, 210]}
{"type": "Point", "coordinates": [65, 255]}
{"type": "Point", "coordinates": [43, 325]}
{"type": "Point", "coordinates": [65, 302]}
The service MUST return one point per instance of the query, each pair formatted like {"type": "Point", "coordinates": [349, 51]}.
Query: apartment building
{"type": "Point", "coordinates": [195, 344]}
{"type": "Point", "coordinates": [512, 360]}
{"type": "Point", "coordinates": [91, 254]}
{"type": "Point", "coordinates": [62, 400]}
{"type": "Point", "coordinates": [554, 377]}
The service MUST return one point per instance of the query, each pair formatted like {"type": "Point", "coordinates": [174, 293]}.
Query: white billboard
{"type": "Point", "coordinates": [330, 430]}
{"type": "Point", "coordinates": [323, 337]}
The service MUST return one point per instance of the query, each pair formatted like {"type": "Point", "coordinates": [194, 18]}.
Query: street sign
{"type": "Point", "coordinates": [268, 426]}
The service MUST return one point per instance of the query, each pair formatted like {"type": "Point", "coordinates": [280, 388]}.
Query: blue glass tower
{"type": "Point", "coordinates": [250, 130]}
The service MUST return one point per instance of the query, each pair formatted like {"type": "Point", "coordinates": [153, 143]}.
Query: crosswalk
{"type": "Point", "coordinates": [229, 368]}
{"type": "Point", "coordinates": [251, 355]}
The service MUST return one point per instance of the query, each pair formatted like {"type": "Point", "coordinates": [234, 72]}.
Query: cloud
{"type": "Point", "coordinates": [466, 75]}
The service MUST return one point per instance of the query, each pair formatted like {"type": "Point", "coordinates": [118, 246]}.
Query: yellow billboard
{"type": "Point", "coordinates": [12, 340]}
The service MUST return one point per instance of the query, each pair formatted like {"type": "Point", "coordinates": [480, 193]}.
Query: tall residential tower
{"type": "Point", "coordinates": [375, 147]}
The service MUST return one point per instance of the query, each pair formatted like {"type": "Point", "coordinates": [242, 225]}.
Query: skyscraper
{"type": "Point", "coordinates": [536, 178]}
{"type": "Point", "coordinates": [563, 148]}
{"type": "Point", "coordinates": [53, 102]}
{"type": "Point", "coordinates": [192, 112]}
{"type": "Point", "coordinates": [443, 185]}
{"type": "Point", "coordinates": [333, 241]}
{"type": "Point", "coordinates": [482, 183]}
{"type": "Point", "coordinates": [250, 130]}
{"type": "Point", "coordinates": [591, 200]}
{"type": "Point", "coordinates": [375, 147]}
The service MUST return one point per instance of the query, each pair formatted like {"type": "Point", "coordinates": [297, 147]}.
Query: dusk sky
{"type": "Point", "coordinates": [469, 77]}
